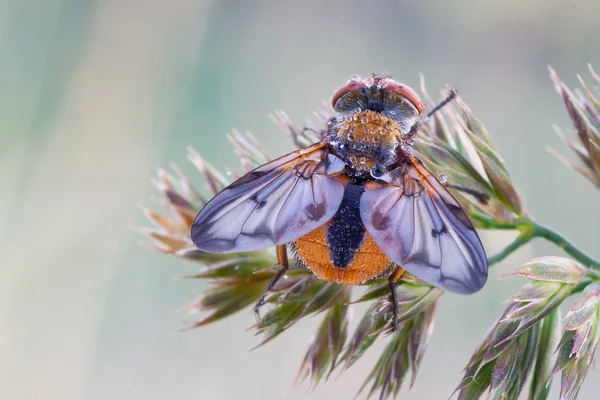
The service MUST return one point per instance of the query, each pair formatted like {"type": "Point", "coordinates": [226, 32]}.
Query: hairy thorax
{"type": "Point", "coordinates": [368, 141]}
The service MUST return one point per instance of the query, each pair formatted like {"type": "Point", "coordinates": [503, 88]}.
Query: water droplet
{"type": "Point", "coordinates": [364, 120]}
{"type": "Point", "coordinates": [353, 159]}
{"type": "Point", "coordinates": [354, 78]}
{"type": "Point", "coordinates": [355, 117]}
{"type": "Point", "coordinates": [351, 136]}
{"type": "Point", "coordinates": [349, 118]}
{"type": "Point", "coordinates": [381, 83]}
{"type": "Point", "coordinates": [377, 171]}
{"type": "Point", "coordinates": [367, 112]}
{"type": "Point", "coordinates": [331, 139]}
{"type": "Point", "coordinates": [443, 178]}
{"type": "Point", "coordinates": [362, 160]}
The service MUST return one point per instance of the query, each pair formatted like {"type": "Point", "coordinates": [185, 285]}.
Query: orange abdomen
{"type": "Point", "coordinates": [367, 263]}
{"type": "Point", "coordinates": [342, 250]}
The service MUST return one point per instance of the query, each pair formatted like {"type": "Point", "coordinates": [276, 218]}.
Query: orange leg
{"type": "Point", "coordinates": [394, 277]}
{"type": "Point", "coordinates": [282, 258]}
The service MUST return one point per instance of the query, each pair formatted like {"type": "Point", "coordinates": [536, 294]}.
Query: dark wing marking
{"type": "Point", "coordinates": [419, 225]}
{"type": "Point", "coordinates": [274, 204]}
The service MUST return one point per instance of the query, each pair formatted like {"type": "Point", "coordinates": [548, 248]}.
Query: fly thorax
{"type": "Point", "coordinates": [368, 140]}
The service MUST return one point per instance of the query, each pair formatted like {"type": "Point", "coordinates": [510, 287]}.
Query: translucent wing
{"type": "Point", "coordinates": [274, 204]}
{"type": "Point", "coordinates": [419, 225]}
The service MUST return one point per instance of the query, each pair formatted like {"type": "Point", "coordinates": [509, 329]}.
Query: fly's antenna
{"type": "Point", "coordinates": [451, 96]}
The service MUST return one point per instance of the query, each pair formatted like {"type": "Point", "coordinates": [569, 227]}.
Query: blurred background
{"type": "Point", "coordinates": [97, 94]}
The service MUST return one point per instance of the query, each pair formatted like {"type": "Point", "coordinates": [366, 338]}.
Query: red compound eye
{"type": "Point", "coordinates": [353, 85]}
{"type": "Point", "coordinates": [403, 90]}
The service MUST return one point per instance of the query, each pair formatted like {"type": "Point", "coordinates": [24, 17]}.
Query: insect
{"type": "Point", "coordinates": [356, 205]}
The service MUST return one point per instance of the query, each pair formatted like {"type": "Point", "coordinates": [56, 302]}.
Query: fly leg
{"type": "Point", "coordinates": [319, 132]}
{"type": "Point", "coordinates": [299, 135]}
{"type": "Point", "coordinates": [394, 277]}
{"type": "Point", "coordinates": [435, 109]}
{"type": "Point", "coordinates": [282, 258]}
{"type": "Point", "coordinates": [482, 197]}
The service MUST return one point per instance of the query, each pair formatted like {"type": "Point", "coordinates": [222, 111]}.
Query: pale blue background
{"type": "Point", "coordinates": [95, 95]}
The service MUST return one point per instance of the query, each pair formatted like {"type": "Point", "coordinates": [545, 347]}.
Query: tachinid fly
{"type": "Point", "coordinates": [356, 205]}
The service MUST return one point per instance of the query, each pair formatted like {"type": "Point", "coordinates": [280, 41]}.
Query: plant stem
{"type": "Point", "coordinates": [547, 233]}
{"type": "Point", "coordinates": [521, 240]}
{"type": "Point", "coordinates": [488, 222]}
{"type": "Point", "coordinates": [581, 286]}
{"type": "Point", "coordinates": [530, 229]}
{"type": "Point", "coordinates": [542, 373]}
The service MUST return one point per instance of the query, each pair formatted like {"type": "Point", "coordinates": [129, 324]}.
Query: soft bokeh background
{"type": "Point", "coordinates": [95, 95]}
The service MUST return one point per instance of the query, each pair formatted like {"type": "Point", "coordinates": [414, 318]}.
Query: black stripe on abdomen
{"type": "Point", "coordinates": [346, 231]}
